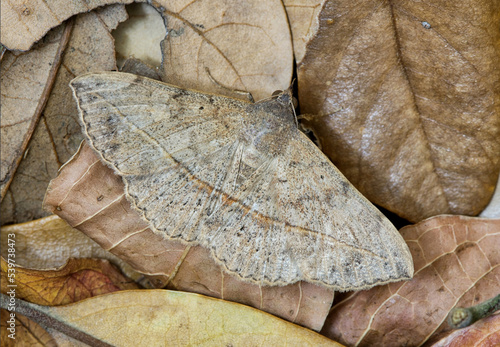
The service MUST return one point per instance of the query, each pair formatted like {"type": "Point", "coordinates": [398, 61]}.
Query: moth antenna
{"type": "Point", "coordinates": [292, 103]}
{"type": "Point", "coordinates": [236, 91]}
{"type": "Point", "coordinates": [294, 114]}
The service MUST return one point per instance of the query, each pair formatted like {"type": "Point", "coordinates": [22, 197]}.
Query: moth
{"type": "Point", "coordinates": [240, 179]}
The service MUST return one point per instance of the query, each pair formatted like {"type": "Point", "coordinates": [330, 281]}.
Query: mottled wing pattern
{"type": "Point", "coordinates": [340, 238]}
{"type": "Point", "coordinates": [139, 125]}
{"type": "Point", "coordinates": [292, 217]}
{"type": "Point", "coordinates": [174, 148]}
{"type": "Point", "coordinates": [302, 220]}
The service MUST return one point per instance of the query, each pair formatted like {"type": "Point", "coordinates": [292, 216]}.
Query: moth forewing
{"type": "Point", "coordinates": [241, 180]}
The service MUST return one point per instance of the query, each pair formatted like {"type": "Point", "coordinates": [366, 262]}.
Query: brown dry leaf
{"type": "Point", "coordinates": [50, 242]}
{"type": "Point", "coordinates": [484, 333]}
{"type": "Point", "coordinates": [27, 79]}
{"type": "Point", "coordinates": [244, 45]}
{"type": "Point", "coordinates": [140, 36]}
{"type": "Point", "coordinates": [304, 22]}
{"type": "Point", "coordinates": [24, 23]}
{"type": "Point", "coordinates": [77, 280]}
{"type": "Point", "coordinates": [406, 101]}
{"type": "Point", "coordinates": [27, 332]}
{"type": "Point", "coordinates": [90, 197]}
{"type": "Point", "coordinates": [58, 134]}
{"type": "Point", "coordinates": [457, 263]}
{"type": "Point", "coordinates": [493, 208]}
{"type": "Point", "coordinates": [63, 340]}
{"type": "Point", "coordinates": [169, 318]}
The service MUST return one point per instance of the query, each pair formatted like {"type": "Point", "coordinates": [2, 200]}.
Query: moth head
{"type": "Point", "coordinates": [285, 97]}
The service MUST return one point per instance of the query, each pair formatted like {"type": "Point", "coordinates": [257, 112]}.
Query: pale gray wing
{"type": "Point", "coordinates": [141, 126]}
{"type": "Point", "coordinates": [186, 170]}
{"type": "Point", "coordinates": [271, 220]}
{"type": "Point", "coordinates": [334, 234]}
{"type": "Point", "coordinates": [177, 150]}
{"type": "Point", "coordinates": [300, 219]}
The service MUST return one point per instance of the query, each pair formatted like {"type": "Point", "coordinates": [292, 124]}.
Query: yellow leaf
{"type": "Point", "coordinates": [169, 318]}
{"type": "Point", "coordinates": [77, 280]}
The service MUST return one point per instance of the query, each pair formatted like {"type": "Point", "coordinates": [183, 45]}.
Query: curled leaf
{"type": "Point", "coordinates": [49, 242]}
{"type": "Point", "coordinates": [57, 136]}
{"type": "Point", "coordinates": [90, 197]}
{"type": "Point", "coordinates": [160, 317]}
{"type": "Point", "coordinates": [404, 99]}
{"type": "Point", "coordinates": [485, 333]}
{"type": "Point", "coordinates": [457, 263]}
{"type": "Point", "coordinates": [77, 280]}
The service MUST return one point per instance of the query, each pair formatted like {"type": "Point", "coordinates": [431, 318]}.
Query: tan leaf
{"type": "Point", "coordinates": [485, 333]}
{"type": "Point", "coordinates": [90, 197]}
{"type": "Point", "coordinates": [406, 103]}
{"type": "Point", "coordinates": [493, 208]}
{"type": "Point", "coordinates": [63, 340]}
{"type": "Point", "coordinates": [50, 242]}
{"type": "Point", "coordinates": [24, 23]}
{"type": "Point", "coordinates": [140, 36]}
{"type": "Point", "coordinates": [24, 331]}
{"type": "Point", "coordinates": [244, 45]}
{"type": "Point", "coordinates": [27, 80]}
{"type": "Point", "coordinates": [304, 23]}
{"type": "Point", "coordinates": [457, 263]}
{"type": "Point", "coordinates": [166, 318]}
{"type": "Point", "coordinates": [58, 135]}
{"type": "Point", "coordinates": [77, 280]}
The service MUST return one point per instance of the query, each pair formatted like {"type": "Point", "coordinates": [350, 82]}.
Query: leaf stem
{"type": "Point", "coordinates": [460, 317]}
{"type": "Point", "coordinates": [43, 316]}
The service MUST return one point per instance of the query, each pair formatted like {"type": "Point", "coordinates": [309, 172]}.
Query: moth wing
{"type": "Point", "coordinates": [293, 217]}
{"type": "Point", "coordinates": [298, 218]}
{"type": "Point", "coordinates": [334, 234]}
{"type": "Point", "coordinates": [175, 149]}
{"type": "Point", "coordinates": [140, 126]}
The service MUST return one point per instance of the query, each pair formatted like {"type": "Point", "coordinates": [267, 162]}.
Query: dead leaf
{"type": "Point", "coordinates": [246, 46]}
{"type": "Point", "coordinates": [457, 263]}
{"type": "Point", "coordinates": [485, 333]}
{"type": "Point", "coordinates": [27, 332]}
{"type": "Point", "coordinates": [140, 68]}
{"type": "Point", "coordinates": [161, 318]}
{"type": "Point", "coordinates": [221, 46]}
{"type": "Point", "coordinates": [58, 134]}
{"type": "Point", "coordinates": [77, 280]}
{"type": "Point", "coordinates": [405, 100]}
{"type": "Point", "coordinates": [50, 242]}
{"type": "Point", "coordinates": [24, 23]}
{"type": "Point", "coordinates": [140, 36]}
{"type": "Point", "coordinates": [27, 80]}
{"type": "Point", "coordinates": [64, 340]}
{"type": "Point", "coordinates": [304, 23]}
{"type": "Point", "coordinates": [493, 208]}
{"type": "Point", "coordinates": [90, 197]}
